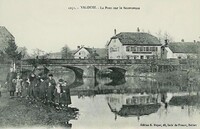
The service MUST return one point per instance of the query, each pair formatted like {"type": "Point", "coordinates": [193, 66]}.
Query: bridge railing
{"type": "Point", "coordinates": [100, 61]}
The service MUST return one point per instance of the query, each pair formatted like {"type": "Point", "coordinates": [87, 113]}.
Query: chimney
{"type": "Point", "coordinates": [194, 41]}
{"type": "Point", "coordinates": [182, 40]}
{"type": "Point", "coordinates": [115, 31]}
{"type": "Point", "coordinates": [138, 29]}
{"type": "Point", "coordinates": [166, 43]}
{"type": "Point", "coordinates": [78, 47]}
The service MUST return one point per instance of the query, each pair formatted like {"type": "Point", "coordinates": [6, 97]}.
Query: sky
{"type": "Point", "coordinates": [50, 24]}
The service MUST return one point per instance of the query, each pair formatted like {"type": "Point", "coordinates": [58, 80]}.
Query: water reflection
{"type": "Point", "coordinates": [138, 100]}
{"type": "Point", "coordinates": [134, 104]}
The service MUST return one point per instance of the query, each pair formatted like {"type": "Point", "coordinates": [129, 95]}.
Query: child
{"type": "Point", "coordinates": [57, 93]}
{"type": "Point", "coordinates": [19, 86]}
{"type": "Point", "coordinates": [65, 97]}
{"type": "Point", "coordinates": [25, 86]}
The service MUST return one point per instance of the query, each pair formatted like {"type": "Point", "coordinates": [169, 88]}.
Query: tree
{"type": "Point", "coordinates": [66, 52]}
{"type": "Point", "coordinates": [37, 53]}
{"type": "Point", "coordinates": [23, 51]}
{"type": "Point", "coordinates": [11, 51]}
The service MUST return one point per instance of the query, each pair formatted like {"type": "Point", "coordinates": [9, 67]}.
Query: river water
{"type": "Point", "coordinates": [151, 105]}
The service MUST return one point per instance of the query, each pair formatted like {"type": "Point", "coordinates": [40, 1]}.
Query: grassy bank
{"type": "Point", "coordinates": [19, 112]}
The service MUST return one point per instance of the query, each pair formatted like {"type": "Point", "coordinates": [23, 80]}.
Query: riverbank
{"type": "Point", "coordinates": [19, 112]}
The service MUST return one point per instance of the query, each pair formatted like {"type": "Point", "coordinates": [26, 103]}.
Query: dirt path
{"type": "Point", "coordinates": [19, 112]}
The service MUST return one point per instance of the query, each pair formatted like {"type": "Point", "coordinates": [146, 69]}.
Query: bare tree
{"type": "Point", "coordinates": [37, 53]}
{"type": "Point", "coordinates": [66, 52]}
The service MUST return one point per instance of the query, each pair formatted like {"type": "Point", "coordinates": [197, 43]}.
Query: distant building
{"type": "Point", "coordinates": [55, 55]}
{"type": "Point", "coordinates": [90, 53]}
{"type": "Point", "coordinates": [134, 45]}
{"type": "Point", "coordinates": [180, 50]}
{"type": "Point", "coordinates": [134, 104]}
{"type": "Point", "coordinates": [5, 37]}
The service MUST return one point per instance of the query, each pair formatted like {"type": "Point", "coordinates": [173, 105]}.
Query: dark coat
{"type": "Point", "coordinates": [25, 86]}
{"type": "Point", "coordinates": [10, 78]}
{"type": "Point", "coordinates": [65, 97]}
{"type": "Point", "coordinates": [50, 90]}
{"type": "Point", "coordinates": [43, 90]}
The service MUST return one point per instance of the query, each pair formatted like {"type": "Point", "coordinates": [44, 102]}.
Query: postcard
{"type": "Point", "coordinates": [99, 64]}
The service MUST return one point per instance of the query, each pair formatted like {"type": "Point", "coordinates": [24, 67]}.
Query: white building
{"type": "Point", "coordinates": [134, 45]}
{"type": "Point", "coordinates": [180, 50]}
{"type": "Point", "coordinates": [90, 53]}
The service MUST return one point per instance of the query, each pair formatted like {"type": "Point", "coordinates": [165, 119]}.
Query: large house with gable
{"type": "Point", "coordinates": [134, 45]}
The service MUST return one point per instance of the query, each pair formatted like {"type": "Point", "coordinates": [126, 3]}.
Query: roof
{"type": "Point", "coordinates": [88, 49]}
{"type": "Point", "coordinates": [5, 36]}
{"type": "Point", "coordinates": [136, 38]}
{"type": "Point", "coordinates": [184, 47]}
{"type": "Point", "coordinates": [137, 110]}
{"type": "Point", "coordinates": [101, 52]}
{"type": "Point", "coordinates": [184, 100]}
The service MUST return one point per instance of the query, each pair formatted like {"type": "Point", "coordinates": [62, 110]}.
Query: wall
{"type": "Point", "coordinates": [118, 51]}
{"type": "Point", "coordinates": [136, 54]}
{"type": "Point", "coordinates": [115, 49]}
{"type": "Point", "coordinates": [185, 55]}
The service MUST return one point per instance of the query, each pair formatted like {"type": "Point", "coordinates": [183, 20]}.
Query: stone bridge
{"type": "Point", "coordinates": [90, 68]}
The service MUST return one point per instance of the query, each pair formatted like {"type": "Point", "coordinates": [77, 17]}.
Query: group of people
{"type": "Point", "coordinates": [40, 88]}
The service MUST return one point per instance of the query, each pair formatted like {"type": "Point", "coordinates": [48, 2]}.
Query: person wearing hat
{"type": "Point", "coordinates": [42, 89]}
{"type": "Point", "coordinates": [33, 83]}
{"type": "Point", "coordinates": [57, 93]}
{"type": "Point", "coordinates": [50, 90]}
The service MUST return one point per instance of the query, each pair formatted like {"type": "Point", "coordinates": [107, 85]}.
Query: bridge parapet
{"type": "Point", "coordinates": [96, 61]}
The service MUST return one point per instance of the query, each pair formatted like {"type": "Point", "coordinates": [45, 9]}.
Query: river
{"type": "Point", "coordinates": [176, 107]}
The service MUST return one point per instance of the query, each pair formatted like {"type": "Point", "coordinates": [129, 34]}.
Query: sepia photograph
{"type": "Point", "coordinates": [99, 64]}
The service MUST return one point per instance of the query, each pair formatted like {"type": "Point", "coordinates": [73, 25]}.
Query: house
{"type": "Point", "coordinates": [180, 50]}
{"type": "Point", "coordinates": [134, 45]}
{"type": "Point", "coordinates": [134, 104]}
{"type": "Point", "coordinates": [5, 37]}
{"type": "Point", "coordinates": [90, 53]}
{"type": "Point", "coordinates": [55, 55]}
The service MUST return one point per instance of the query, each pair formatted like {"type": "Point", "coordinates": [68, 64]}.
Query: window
{"type": "Point", "coordinates": [147, 49]}
{"type": "Point", "coordinates": [141, 49]}
{"type": "Point", "coordinates": [111, 49]}
{"type": "Point", "coordinates": [138, 49]}
{"type": "Point", "coordinates": [156, 49]}
{"type": "Point", "coordinates": [133, 49]}
{"type": "Point", "coordinates": [141, 57]}
{"type": "Point", "coordinates": [127, 48]}
{"type": "Point", "coordinates": [148, 57]}
{"type": "Point", "coordinates": [114, 49]}
{"type": "Point", "coordinates": [79, 53]}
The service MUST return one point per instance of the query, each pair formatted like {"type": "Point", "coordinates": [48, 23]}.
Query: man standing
{"type": "Point", "coordinates": [10, 81]}
{"type": "Point", "coordinates": [50, 90]}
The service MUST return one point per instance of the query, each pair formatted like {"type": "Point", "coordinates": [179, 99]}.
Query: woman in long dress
{"type": "Point", "coordinates": [65, 97]}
